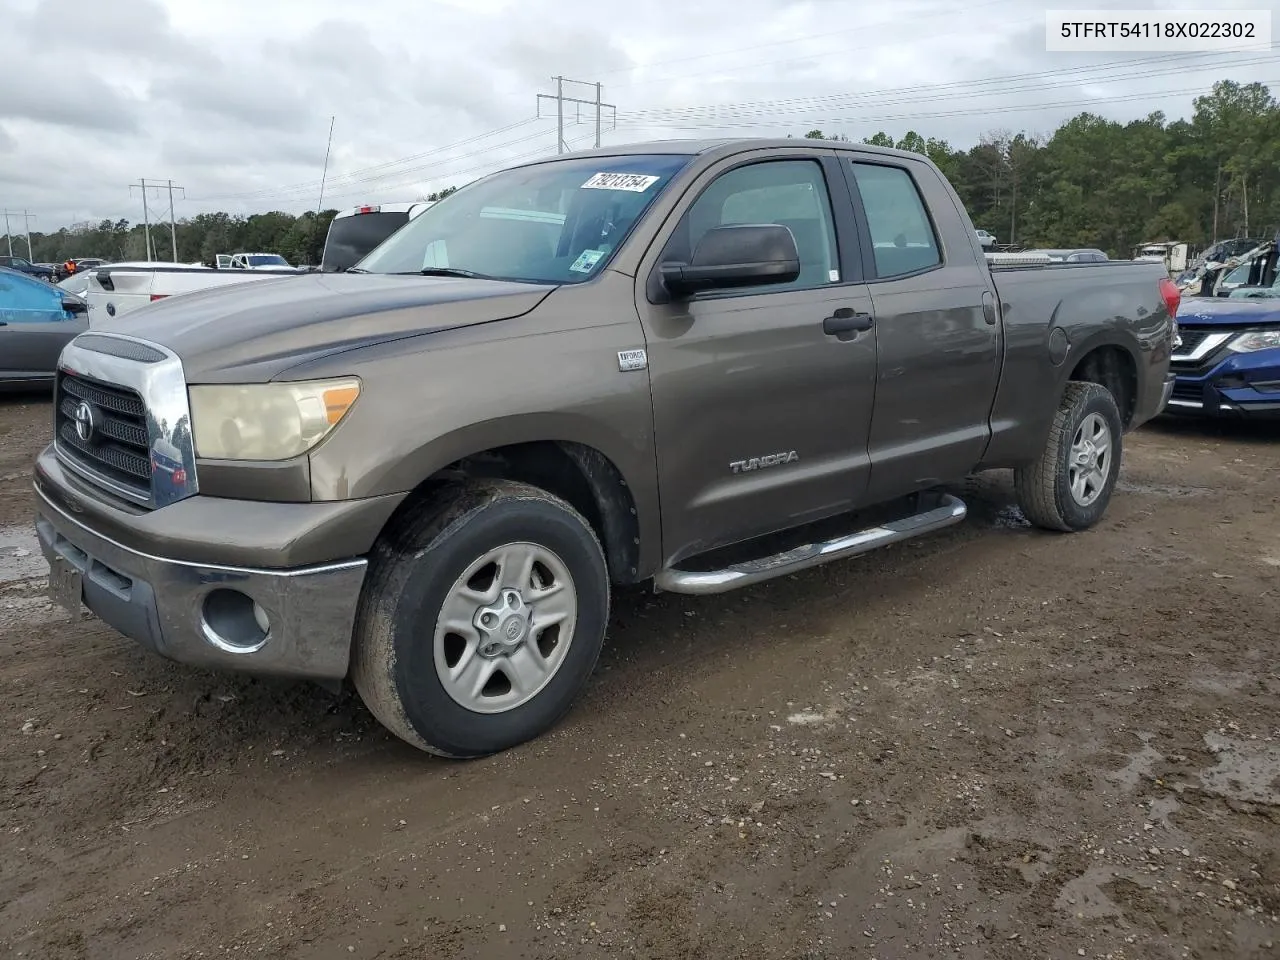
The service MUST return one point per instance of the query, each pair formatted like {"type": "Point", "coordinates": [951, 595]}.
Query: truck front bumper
{"type": "Point", "coordinates": [293, 622]}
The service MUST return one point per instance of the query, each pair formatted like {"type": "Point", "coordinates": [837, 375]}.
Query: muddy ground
{"type": "Point", "coordinates": [994, 743]}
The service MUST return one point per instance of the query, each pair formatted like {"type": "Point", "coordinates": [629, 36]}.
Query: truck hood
{"type": "Point", "coordinates": [1227, 312]}
{"type": "Point", "coordinates": [253, 331]}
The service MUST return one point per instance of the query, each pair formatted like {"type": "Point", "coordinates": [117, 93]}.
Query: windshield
{"type": "Point", "coordinates": [267, 260]}
{"type": "Point", "coordinates": [351, 238]}
{"type": "Point", "coordinates": [554, 222]}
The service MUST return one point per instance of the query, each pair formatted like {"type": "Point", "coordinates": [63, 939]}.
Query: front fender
{"type": "Point", "coordinates": [433, 400]}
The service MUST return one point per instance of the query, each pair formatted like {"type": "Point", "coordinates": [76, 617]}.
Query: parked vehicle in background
{"type": "Point", "coordinates": [354, 233]}
{"type": "Point", "coordinates": [1077, 255]}
{"type": "Point", "coordinates": [1225, 249]}
{"type": "Point", "coordinates": [23, 265]}
{"type": "Point", "coordinates": [1172, 253]}
{"type": "Point", "coordinates": [120, 288]}
{"type": "Point", "coordinates": [1227, 356]}
{"type": "Point", "coordinates": [700, 364]}
{"type": "Point", "coordinates": [36, 321]}
{"type": "Point", "coordinates": [79, 264]}
{"type": "Point", "coordinates": [77, 283]}
{"type": "Point", "coordinates": [986, 239]}
{"type": "Point", "coordinates": [253, 261]}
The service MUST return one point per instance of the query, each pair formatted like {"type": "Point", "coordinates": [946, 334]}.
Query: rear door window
{"type": "Point", "coordinates": [351, 238]}
{"type": "Point", "coordinates": [902, 235]}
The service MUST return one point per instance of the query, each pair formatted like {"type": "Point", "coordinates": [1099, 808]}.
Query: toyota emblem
{"type": "Point", "coordinates": [84, 421]}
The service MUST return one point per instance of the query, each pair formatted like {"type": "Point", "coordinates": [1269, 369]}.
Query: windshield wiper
{"type": "Point", "coordinates": [451, 272]}
{"type": "Point", "coordinates": [355, 270]}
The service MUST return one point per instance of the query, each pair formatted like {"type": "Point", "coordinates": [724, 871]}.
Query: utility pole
{"type": "Point", "coordinates": [26, 229]}
{"type": "Point", "coordinates": [173, 223]}
{"type": "Point", "coordinates": [146, 219]}
{"type": "Point", "coordinates": [561, 100]}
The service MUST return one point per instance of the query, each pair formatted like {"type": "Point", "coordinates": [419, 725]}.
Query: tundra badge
{"type": "Point", "coordinates": [632, 360]}
{"type": "Point", "coordinates": [759, 463]}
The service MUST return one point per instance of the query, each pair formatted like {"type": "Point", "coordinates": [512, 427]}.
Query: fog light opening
{"type": "Point", "coordinates": [234, 622]}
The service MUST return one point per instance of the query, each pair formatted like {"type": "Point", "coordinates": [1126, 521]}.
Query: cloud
{"type": "Point", "coordinates": [233, 99]}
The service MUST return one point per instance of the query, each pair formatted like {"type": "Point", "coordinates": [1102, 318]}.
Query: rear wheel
{"type": "Point", "coordinates": [481, 620]}
{"type": "Point", "coordinates": [1069, 487]}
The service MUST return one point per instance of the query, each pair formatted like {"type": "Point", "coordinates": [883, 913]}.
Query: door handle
{"type": "Point", "coordinates": [846, 320]}
{"type": "Point", "coordinates": [989, 308]}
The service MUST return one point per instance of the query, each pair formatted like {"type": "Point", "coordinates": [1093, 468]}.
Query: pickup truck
{"type": "Point", "coordinates": [352, 234]}
{"type": "Point", "coordinates": [695, 365]}
{"type": "Point", "coordinates": [119, 288]}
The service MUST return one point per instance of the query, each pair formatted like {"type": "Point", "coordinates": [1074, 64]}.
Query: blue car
{"type": "Point", "coordinates": [36, 321]}
{"type": "Point", "coordinates": [1227, 358]}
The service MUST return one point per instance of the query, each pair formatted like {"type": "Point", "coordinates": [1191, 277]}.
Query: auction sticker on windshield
{"type": "Point", "coordinates": [635, 182]}
{"type": "Point", "coordinates": [586, 260]}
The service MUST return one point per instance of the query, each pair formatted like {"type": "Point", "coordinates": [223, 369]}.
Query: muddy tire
{"type": "Point", "coordinates": [482, 617]}
{"type": "Point", "coordinates": [1069, 486]}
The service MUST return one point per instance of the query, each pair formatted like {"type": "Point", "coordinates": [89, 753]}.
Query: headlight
{"type": "Point", "coordinates": [267, 421]}
{"type": "Point", "coordinates": [1259, 340]}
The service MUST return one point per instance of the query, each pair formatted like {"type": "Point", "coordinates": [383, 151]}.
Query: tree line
{"type": "Point", "coordinates": [1099, 183]}
{"type": "Point", "coordinates": [1091, 183]}
{"type": "Point", "coordinates": [299, 239]}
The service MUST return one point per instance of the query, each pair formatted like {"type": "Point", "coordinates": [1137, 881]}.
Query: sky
{"type": "Point", "coordinates": [233, 100]}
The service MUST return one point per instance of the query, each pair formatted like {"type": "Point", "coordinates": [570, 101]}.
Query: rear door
{"type": "Point", "coordinates": [937, 326]}
{"type": "Point", "coordinates": [760, 416]}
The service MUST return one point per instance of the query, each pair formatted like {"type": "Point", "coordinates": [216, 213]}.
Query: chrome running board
{"type": "Point", "coordinates": [951, 510]}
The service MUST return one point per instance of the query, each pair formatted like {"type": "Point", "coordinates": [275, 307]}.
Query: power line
{"type": "Point", "coordinates": [1095, 73]}
{"type": "Point", "coordinates": [374, 180]}
{"type": "Point", "coordinates": [483, 169]}
{"type": "Point", "coordinates": [309, 185]}
{"type": "Point", "coordinates": [774, 125]}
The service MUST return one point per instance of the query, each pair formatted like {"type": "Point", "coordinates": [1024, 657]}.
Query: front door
{"type": "Point", "coordinates": [760, 417]}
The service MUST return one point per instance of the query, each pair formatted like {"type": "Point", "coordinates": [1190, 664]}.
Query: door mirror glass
{"type": "Point", "coordinates": [736, 255]}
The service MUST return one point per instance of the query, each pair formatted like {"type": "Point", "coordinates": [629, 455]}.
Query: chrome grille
{"type": "Point", "coordinates": [122, 420]}
{"type": "Point", "coordinates": [1190, 339]}
{"type": "Point", "coordinates": [111, 443]}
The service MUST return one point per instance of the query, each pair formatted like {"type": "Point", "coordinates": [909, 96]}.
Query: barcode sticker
{"type": "Point", "coordinates": [634, 182]}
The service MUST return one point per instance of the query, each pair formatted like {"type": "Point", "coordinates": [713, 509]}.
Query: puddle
{"type": "Point", "coordinates": [1246, 770]}
{"type": "Point", "coordinates": [20, 556]}
{"type": "Point", "coordinates": [1139, 766]}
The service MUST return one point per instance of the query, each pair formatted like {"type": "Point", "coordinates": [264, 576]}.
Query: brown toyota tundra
{"type": "Point", "coordinates": [699, 365]}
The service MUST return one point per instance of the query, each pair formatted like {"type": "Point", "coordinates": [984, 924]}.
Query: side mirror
{"type": "Point", "coordinates": [74, 305]}
{"type": "Point", "coordinates": [738, 255]}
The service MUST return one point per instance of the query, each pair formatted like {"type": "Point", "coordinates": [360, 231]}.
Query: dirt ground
{"type": "Point", "coordinates": [993, 743]}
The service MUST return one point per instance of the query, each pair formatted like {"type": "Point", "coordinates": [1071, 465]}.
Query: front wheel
{"type": "Point", "coordinates": [482, 619]}
{"type": "Point", "coordinates": [1069, 487]}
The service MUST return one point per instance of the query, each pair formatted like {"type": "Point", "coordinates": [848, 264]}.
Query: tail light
{"type": "Point", "coordinates": [158, 296]}
{"type": "Point", "coordinates": [367, 209]}
{"type": "Point", "coordinates": [179, 476]}
{"type": "Point", "coordinates": [1171, 295]}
